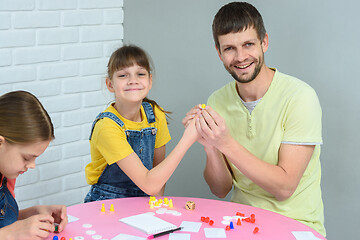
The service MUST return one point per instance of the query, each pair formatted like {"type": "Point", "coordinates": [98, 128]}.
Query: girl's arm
{"type": "Point", "coordinates": [159, 156]}
{"type": "Point", "coordinates": [153, 181]}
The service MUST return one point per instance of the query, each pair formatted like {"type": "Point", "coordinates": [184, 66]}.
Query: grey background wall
{"type": "Point", "coordinates": [315, 41]}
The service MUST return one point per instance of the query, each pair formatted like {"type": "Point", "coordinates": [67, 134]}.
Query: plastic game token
{"type": "Point", "coordinates": [228, 218]}
{"type": "Point", "coordinates": [97, 237]}
{"type": "Point", "coordinates": [87, 225]}
{"type": "Point", "coordinates": [79, 238]}
{"type": "Point", "coordinates": [90, 232]}
{"type": "Point", "coordinates": [225, 222]}
{"type": "Point", "coordinates": [177, 213]}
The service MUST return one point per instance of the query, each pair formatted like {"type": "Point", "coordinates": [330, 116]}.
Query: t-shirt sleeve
{"type": "Point", "coordinates": [111, 141]}
{"type": "Point", "coordinates": [302, 124]}
{"type": "Point", "coordinates": [162, 134]}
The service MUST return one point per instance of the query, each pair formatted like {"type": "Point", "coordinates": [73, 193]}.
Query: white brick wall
{"type": "Point", "coordinates": [58, 50]}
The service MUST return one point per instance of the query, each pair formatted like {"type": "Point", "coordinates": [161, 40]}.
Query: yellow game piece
{"type": "Point", "coordinates": [103, 207]}
{"type": "Point", "coordinates": [112, 208]}
{"type": "Point", "coordinates": [151, 204]}
{"type": "Point", "coordinates": [171, 203]}
{"type": "Point", "coordinates": [160, 201]}
{"type": "Point", "coordinates": [203, 106]}
{"type": "Point", "coordinates": [166, 201]}
{"type": "Point", "coordinates": [156, 204]}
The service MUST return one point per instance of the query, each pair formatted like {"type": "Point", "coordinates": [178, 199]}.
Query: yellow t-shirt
{"type": "Point", "coordinates": [289, 113]}
{"type": "Point", "coordinates": [108, 142]}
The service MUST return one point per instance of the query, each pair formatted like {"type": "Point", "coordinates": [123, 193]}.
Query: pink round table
{"type": "Point", "coordinates": [107, 225]}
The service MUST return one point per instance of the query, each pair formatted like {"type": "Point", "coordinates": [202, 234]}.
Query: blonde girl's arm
{"type": "Point", "coordinates": [152, 181]}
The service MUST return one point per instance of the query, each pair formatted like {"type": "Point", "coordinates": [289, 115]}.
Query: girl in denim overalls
{"type": "Point", "coordinates": [25, 132]}
{"type": "Point", "coordinates": [127, 140]}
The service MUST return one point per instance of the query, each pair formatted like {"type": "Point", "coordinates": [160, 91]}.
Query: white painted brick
{"type": "Point", "coordinates": [86, 161]}
{"type": "Point", "coordinates": [17, 74]}
{"type": "Point", "coordinates": [30, 177]}
{"type": "Point", "coordinates": [51, 154]}
{"type": "Point", "coordinates": [83, 51]}
{"type": "Point", "coordinates": [55, 119]}
{"type": "Point", "coordinates": [93, 67]}
{"type": "Point", "coordinates": [56, 4]}
{"type": "Point", "coordinates": [26, 204]}
{"type": "Point", "coordinates": [86, 115]}
{"type": "Point", "coordinates": [5, 20]}
{"type": "Point", "coordinates": [82, 84]}
{"type": "Point", "coordinates": [58, 70]}
{"type": "Point", "coordinates": [41, 189]}
{"type": "Point", "coordinates": [36, 19]}
{"type": "Point", "coordinates": [67, 135]}
{"type": "Point", "coordinates": [5, 88]}
{"type": "Point", "coordinates": [77, 149]}
{"type": "Point", "coordinates": [41, 89]}
{"type": "Point", "coordinates": [81, 18]}
{"type": "Point", "coordinates": [86, 128]}
{"type": "Point", "coordinates": [95, 99]}
{"type": "Point", "coordinates": [110, 47]}
{"type": "Point", "coordinates": [57, 36]}
{"type": "Point", "coordinates": [17, 38]}
{"type": "Point", "coordinates": [74, 181]}
{"type": "Point", "coordinates": [114, 16]}
{"type": "Point", "coordinates": [101, 33]}
{"type": "Point", "coordinates": [100, 4]}
{"type": "Point", "coordinates": [63, 168]}
{"type": "Point", "coordinates": [36, 55]}
{"type": "Point", "coordinates": [67, 198]}
{"type": "Point", "coordinates": [62, 103]}
{"type": "Point", "coordinates": [5, 57]}
{"type": "Point", "coordinates": [16, 5]}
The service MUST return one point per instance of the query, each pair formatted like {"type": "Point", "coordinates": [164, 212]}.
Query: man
{"type": "Point", "coordinates": [262, 132]}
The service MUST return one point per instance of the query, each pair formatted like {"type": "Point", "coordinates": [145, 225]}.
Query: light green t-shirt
{"type": "Point", "coordinates": [289, 113]}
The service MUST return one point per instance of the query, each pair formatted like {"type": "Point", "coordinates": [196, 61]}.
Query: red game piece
{"type": "Point", "coordinates": [238, 222]}
{"type": "Point", "coordinates": [238, 214]}
{"type": "Point", "coordinates": [252, 216]}
{"type": "Point", "coordinates": [207, 219]}
{"type": "Point", "coordinates": [203, 219]}
{"type": "Point", "coordinates": [252, 220]}
{"type": "Point", "coordinates": [247, 219]}
{"type": "Point", "coordinates": [227, 228]}
{"type": "Point", "coordinates": [63, 238]}
{"type": "Point", "coordinates": [256, 229]}
{"type": "Point", "coordinates": [211, 222]}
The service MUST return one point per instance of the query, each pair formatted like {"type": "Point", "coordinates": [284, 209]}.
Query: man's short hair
{"type": "Point", "coordinates": [236, 17]}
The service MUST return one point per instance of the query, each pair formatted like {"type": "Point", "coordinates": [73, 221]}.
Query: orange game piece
{"type": "Point", "coordinates": [238, 222]}
{"type": "Point", "coordinates": [247, 219]}
{"type": "Point", "coordinates": [211, 222]}
{"type": "Point", "coordinates": [203, 219]}
{"type": "Point", "coordinates": [252, 216]}
{"type": "Point", "coordinates": [207, 219]}
{"type": "Point", "coordinates": [256, 229]}
{"type": "Point", "coordinates": [228, 228]}
{"type": "Point", "coordinates": [252, 220]}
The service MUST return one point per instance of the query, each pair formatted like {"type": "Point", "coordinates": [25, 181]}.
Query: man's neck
{"type": "Point", "coordinates": [257, 88]}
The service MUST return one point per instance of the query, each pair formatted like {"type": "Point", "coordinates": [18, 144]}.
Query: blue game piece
{"type": "Point", "coordinates": [55, 238]}
{"type": "Point", "coordinates": [231, 225]}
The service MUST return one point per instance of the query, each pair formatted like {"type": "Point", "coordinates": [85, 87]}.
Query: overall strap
{"type": "Point", "coordinates": [102, 115]}
{"type": "Point", "coordinates": [149, 112]}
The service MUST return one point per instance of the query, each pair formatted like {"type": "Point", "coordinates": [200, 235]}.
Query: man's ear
{"type": "Point", "coordinates": [218, 52]}
{"type": "Point", "coordinates": [265, 43]}
{"type": "Point", "coordinates": [109, 85]}
{"type": "Point", "coordinates": [2, 141]}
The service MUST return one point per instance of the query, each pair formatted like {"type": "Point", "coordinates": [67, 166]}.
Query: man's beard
{"type": "Point", "coordinates": [256, 72]}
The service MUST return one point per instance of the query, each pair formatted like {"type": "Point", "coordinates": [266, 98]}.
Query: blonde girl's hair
{"type": "Point", "coordinates": [23, 119]}
{"type": "Point", "coordinates": [127, 56]}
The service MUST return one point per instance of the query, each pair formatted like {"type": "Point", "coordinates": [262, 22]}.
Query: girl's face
{"type": "Point", "coordinates": [16, 159]}
{"type": "Point", "coordinates": [130, 84]}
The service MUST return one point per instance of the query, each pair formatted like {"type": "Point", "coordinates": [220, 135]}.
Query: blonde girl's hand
{"type": "Point", "coordinates": [36, 227]}
{"type": "Point", "coordinates": [58, 212]}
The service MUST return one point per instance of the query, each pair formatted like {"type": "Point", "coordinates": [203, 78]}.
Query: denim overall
{"type": "Point", "coordinates": [9, 211]}
{"type": "Point", "coordinates": [113, 182]}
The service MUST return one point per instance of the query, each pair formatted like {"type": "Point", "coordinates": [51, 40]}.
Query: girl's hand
{"type": "Point", "coordinates": [36, 227]}
{"type": "Point", "coordinates": [58, 212]}
{"type": "Point", "coordinates": [191, 115]}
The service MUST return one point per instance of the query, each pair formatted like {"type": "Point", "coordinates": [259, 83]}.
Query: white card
{"type": "Point", "coordinates": [215, 233]}
{"type": "Point", "coordinates": [190, 226]}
